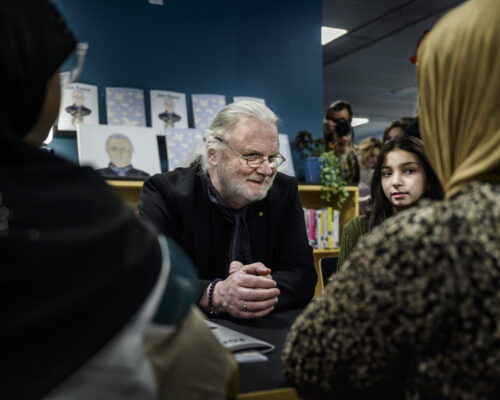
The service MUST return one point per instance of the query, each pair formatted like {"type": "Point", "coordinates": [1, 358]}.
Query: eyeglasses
{"type": "Point", "coordinates": [255, 160]}
{"type": "Point", "coordinates": [73, 65]}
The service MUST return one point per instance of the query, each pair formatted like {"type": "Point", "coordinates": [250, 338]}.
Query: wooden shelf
{"type": "Point", "coordinates": [129, 190]}
{"type": "Point", "coordinates": [310, 196]}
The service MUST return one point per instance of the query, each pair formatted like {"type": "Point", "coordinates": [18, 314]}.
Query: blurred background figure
{"type": "Point", "coordinates": [368, 152]}
{"type": "Point", "coordinates": [397, 128]}
{"type": "Point", "coordinates": [339, 136]}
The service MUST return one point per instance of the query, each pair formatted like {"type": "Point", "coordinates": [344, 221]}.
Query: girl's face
{"type": "Point", "coordinates": [403, 179]}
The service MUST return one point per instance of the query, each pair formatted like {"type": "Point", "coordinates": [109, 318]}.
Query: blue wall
{"type": "Point", "coordinates": [261, 48]}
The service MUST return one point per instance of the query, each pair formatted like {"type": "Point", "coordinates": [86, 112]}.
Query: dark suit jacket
{"type": "Point", "coordinates": [177, 204]}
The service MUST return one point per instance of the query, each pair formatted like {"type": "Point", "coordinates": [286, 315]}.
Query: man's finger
{"type": "Point", "coordinates": [253, 295]}
{"type": "Point", "coordinates": [234, 267]}
{"type": "Point", "coordinates": [256, 269]}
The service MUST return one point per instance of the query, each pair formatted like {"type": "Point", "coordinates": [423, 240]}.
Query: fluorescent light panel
{"type": "Point", "coordinates": [359, 121]}
{"type": "Point", "coordinates": [328, 34]}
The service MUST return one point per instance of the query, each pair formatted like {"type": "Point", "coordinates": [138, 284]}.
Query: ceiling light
{"type": "Point", "coordinates": [359, 121]}
{"type": "Point", "coordinates": [329, 34]}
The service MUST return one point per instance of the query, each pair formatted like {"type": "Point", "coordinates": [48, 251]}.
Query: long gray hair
{"type": "Point", "coordinates": [225, 121]}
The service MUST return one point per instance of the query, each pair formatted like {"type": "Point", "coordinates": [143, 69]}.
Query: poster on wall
{"type": "Point", "coordinates": [205, 108]}
{"type": "Point", "coordinates": [168, 109]}
{"type": "Point", "coordinates": [119, 152]}
{"type": "Point", "coordinates": [79, 105]}
{"type": "Point", "coordinates": [182, 144]}
{"type": "Point", "coordinates": [285, 150]}
{"type": "Point", "coordinates": [241, 98]}
{"type": "Point", "coordinates": [125, 106]}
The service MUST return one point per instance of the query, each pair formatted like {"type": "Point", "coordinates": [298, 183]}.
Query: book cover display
{"type": "Point", "coordinates": [205, 108]}
{"type": "Point", "coordinates": [241, 98]}
{"type": "Point", "coordinates": [181, 145]}
{"type": "Point", "coordinates": [79, 105]}
{"type": "Point", "coordinates": [119, 152]}
{"type": "Point", "coordinates": [125, 106]}
{"type": "Point", "coordinates": [287, 166]}
{"type": "Point", "coordinates": [168, 109]}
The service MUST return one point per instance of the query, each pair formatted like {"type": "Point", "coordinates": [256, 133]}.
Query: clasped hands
{"type": "Point", "coordinates": [248, 292]}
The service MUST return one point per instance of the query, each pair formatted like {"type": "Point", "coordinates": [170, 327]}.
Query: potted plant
{"type": "Point", "coordinates": [322, 167]}
{"type": "Point", "coordinates": [332, 180]}
{"type": "Point", "coordinates": [311, 149]}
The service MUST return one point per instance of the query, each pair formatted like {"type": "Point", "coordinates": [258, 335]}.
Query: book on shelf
{"type": "Point", "coordinates": [79, 105]}
{"type": "Point", "coordinates": [181, 145]}
{"type": "Point", "coordinates": [168, 109]}
{"type": "Point", "coordinates": [322, 227]}
{"type": "Point", "coordinates": [205, 108]}
{"type": "Point", "coordinates": [125, 106]}
{"type": "Point", "coordinates": [287, 166]}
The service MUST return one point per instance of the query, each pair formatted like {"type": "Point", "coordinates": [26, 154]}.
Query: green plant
{"type": "Point", "coordinates": [331, 178]}
{"type": "Point", "coordinates": [310, 147]}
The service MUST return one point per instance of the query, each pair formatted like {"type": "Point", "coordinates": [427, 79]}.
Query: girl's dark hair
{"type": "Point", "coordinates": [382, 208]}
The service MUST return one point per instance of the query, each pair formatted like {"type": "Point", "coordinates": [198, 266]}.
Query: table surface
{"type": "Point", "coordinates": [272, 328]}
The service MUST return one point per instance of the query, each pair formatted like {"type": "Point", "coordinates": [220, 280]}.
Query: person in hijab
{"type": "Point", "coordinates": [81, 277]}
{"type": "Point", "coordinates": [416, 315]}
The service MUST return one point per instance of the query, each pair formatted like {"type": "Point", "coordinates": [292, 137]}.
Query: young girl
{"type": "Point", "coordinates": [402, 176]}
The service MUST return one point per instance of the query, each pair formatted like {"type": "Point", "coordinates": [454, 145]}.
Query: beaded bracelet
{"type": "Point", "coordinates": [210, 296]}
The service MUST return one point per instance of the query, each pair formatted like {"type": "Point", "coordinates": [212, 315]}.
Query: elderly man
{"type": "Point", "coordinates": [238, 218]}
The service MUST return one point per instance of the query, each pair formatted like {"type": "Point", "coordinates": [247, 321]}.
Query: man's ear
{"type": "Point", "coordinates": [212, 156]}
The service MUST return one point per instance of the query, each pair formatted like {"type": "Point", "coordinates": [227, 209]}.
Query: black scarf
{"type": "Point", "coordinates": [239, 247]}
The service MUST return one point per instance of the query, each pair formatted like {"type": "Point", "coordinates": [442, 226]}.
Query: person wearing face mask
{"type": "Point", "coordinates": [81, 277]}
{"type": "Point", "coordinates": [416, 313]}
{"type": "Point", "coordinates": [339, 136]}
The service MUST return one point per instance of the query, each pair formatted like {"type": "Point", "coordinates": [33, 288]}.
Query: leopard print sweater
{"type": "Point", "coordinates": [416, 314]}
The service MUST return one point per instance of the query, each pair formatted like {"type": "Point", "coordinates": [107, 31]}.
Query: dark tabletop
{"type": "Point", "coordinates": [272, 328]}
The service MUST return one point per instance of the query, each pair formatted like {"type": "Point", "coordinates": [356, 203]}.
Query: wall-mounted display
{"type": "Point", "coordinates": [181, 146]}
{"type": "Point", "coordinates": [119, 152]}
{"type": "Point", "coordinates": [168, 109]}
{"type": "Point", "coordinates": [79, 105]}
{"type": "Point", "coordinates": [205, 108]}
{"type": "Point", "coordinates": [125, 106]}
{"type": "Point", "coordinates": [287, 166]}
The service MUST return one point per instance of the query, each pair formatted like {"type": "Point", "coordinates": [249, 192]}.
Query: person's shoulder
{"type": "Point", "coordinates": [177, 182]}
{"type": "Point", "coordinates": [356, 224]}
{"type": "Point", "coordinates": [284, 182]}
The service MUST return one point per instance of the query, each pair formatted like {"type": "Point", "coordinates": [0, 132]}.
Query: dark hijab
{"type": "Point", "coordinates": [75, 262]}
{"type": "Point", "coordinates": [35, 42]}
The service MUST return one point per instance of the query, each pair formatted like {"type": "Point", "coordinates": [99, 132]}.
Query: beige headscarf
{"type": "Point", "coordinates": [459, 94]}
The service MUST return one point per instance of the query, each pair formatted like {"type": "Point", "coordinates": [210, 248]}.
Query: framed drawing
{"type": "Point", "coordinates": [125, 106]}
{"type": "Point", "coordinates": [205, 108]}
{"type": "Point", "coordinates": [119, 152]}
{"type": "Point", "coordinates": [168, 109]}
{"type": "Point", "coordinates": [79, 105]}
{"type": "Point", "coordinates": [181, 145]}
{"type": "Point", "coordinates": [287, 166]}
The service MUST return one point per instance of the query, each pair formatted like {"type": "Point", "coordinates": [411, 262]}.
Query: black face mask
{"type": "Point", "coordinates": [343, 127]}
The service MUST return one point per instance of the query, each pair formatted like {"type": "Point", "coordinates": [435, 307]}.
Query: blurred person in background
{"type": "Point", "coordinates": [339, 136]}
{"type": "Point", "coordinates": [368, 150]}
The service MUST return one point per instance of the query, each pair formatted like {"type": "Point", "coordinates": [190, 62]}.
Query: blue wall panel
{"type": "Point", "coordinates": [261, 48]}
